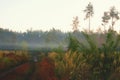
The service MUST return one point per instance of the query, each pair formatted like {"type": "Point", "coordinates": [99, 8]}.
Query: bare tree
{"type": "Point", "coordinates": [89, 12]}
{"type": "Point", "coordinates": [75, 23]}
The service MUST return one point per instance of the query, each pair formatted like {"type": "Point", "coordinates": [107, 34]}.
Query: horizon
{"type": "Point", "coordinates": [44, 15]}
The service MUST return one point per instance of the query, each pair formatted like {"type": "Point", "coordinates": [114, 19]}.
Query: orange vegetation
{"type": "Point", "coordinates": [46, 70]}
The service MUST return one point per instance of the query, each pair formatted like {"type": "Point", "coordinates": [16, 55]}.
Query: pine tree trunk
{"type": "Point", "coordinates": [89, 23]}
{"type": "Point", "coordinates": [112, 24]}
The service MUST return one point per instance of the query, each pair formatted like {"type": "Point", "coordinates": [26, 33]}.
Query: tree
{"type": "Point", "coordinates": [112, 15]}
{"type": "Point", "coordinates": [105, 19]}
{"type": "Point", "coordinates": [89, 12]}
{"type": "Point", "coordinates": [75, 23]}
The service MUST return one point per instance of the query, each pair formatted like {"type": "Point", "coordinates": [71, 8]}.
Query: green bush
{"type": "Point", "coordinates": [88, 60]}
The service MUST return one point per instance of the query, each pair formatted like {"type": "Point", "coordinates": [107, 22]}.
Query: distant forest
{"type": "Point", "coordinates": [32, 39]}
{"type": "Point", "coordinates": [36, 40]}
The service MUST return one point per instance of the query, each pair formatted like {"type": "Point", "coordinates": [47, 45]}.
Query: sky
{"type": "Point", "coordinates": [22, 15]}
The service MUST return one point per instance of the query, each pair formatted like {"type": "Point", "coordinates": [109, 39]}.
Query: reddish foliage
{"type": "Point", "coordinates": [19, 73]}
{"type": "Point", "coordinates": [9, 55]}
{"type": "Point", "coordinates": [46, 70]}
{"type": "Point", "coordinates": [10, 77]}
{"type": "Point", "coordinates": [2, 65]}
{"type": "Point", "coordinates": [14, 57]}
{"type": "Point", "coordinates": [23, 69]}
{"type": "Point", "coordinates": [13, 60]}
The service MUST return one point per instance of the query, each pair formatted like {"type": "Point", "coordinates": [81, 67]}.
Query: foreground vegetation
{"type": "Point", "coordinates": [11, 59]}
{"type": "Point", "coordinates": [94, 58]}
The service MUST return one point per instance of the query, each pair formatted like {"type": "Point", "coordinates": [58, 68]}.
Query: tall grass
{"type": "Point", "coordinates": [89, 60]}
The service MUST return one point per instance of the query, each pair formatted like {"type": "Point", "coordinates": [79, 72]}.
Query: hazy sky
{"type": "Point", "coordinates": [20, 15]}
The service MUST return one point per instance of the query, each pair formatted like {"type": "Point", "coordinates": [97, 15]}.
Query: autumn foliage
{"type": "Point", "coordinates": [11, 59]}
{"type": "Point", "coordinates": [46, 71]}
{"type": "Point", "coordinates": [19, 73]}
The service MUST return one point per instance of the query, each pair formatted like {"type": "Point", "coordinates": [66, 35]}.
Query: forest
{"type": "Point", "coordinates": [32, 39]}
